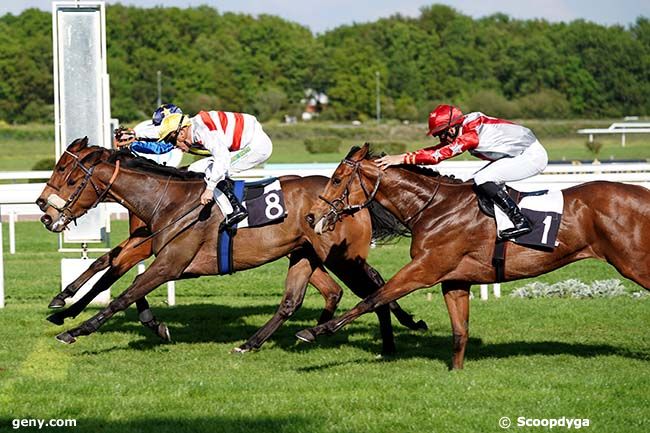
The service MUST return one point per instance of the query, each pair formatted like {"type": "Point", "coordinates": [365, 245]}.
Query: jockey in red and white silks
{"type": "Point", "coordinates": [514, 152]}
{"type": "Point", "coordinates": [234, 141]}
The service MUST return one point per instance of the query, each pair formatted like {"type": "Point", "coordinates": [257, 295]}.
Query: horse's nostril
{"type": "Point", "coordinates": [310, 219]}
{"type": "Point", "coordinates": [46, 220]}
{"type": "Point", "coordinates": [41, 203]}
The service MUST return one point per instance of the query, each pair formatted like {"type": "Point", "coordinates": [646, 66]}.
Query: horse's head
{"type": "Point", "coordinates": [346, 192]}
{"type": "Point", "coordinates": [71, 192]}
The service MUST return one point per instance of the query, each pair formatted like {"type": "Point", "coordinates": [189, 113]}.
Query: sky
{"type": "Point", "coordinates": [322, 15]}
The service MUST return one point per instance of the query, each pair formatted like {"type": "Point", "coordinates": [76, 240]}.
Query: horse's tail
{"type": "Point", "coordinates": [385, 226]}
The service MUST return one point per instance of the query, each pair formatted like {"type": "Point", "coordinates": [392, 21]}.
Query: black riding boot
{"type": "Point", "coordinates": [500, 197]}
{"type": "Point", "coordinates": [239, 213]}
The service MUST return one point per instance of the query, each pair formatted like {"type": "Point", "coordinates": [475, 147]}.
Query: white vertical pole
{"type": "Point", "coordinates": [497, 290]}
{"type": "Point", "coordinates": [140, 268]}
{"type": "Point", "coordinates": [622, 140]}
{"type": "Point", "coordinates": [484, 292]}
{"type": "Point", "coordinates": [171, 293]}
{"type": "Point", "coordinates": [12, 232]}
{"type": "Point", "coordinates": [2, 271]}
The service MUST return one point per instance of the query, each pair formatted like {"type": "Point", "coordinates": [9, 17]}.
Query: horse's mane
{"type": "Point", "coordinates": [417, 169]}
{"type": "Point", "coordinates": [139, 163]}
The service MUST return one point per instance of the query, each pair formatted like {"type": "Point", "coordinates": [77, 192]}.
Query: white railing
{"type": "Point", "coordinates": [618, 128]}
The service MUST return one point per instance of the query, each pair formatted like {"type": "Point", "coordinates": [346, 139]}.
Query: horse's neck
{"type": "Point", "coordinates": [406, 194]}
{"type": "Point", "coordinates": [144, 194]}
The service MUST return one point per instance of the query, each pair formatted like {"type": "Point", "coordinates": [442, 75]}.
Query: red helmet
{"type": "Point", "coordinates": [443, 117]}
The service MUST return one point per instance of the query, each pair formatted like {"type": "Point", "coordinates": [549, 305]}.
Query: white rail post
{"type": "Point", "coordinates": [2, 271]}
{"type": "Point", "coordinates": [12, 232]}
{"type": "Point", "coordinates": [497, 290]}
{"type": "Point", "coordinates": [140, 268]}
{"type": "Point", "coordinates": [484, 292]}
{"type": "Point", "coordinates": [622, 140]}
{"type": "Point", "coordinates": [171, 293]}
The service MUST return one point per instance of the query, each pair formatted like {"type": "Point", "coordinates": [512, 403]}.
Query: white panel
{"type": "Point", "coordinates": [71, 269]}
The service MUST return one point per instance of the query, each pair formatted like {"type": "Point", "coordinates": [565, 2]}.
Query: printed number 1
{"type": "Point", "coordinates": [547, 227]}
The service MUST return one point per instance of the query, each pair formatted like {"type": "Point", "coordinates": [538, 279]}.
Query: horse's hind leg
{"type": "Point", "coordinates": [456, 295]}
{"type": "Point", "coordinates": [302, 264]}
{"type": "Point", "coordinates": [329, 289]}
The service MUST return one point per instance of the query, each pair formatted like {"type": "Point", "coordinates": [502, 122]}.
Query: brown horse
{"type": "Point", "coordinates": [190, 233]}
{"type": "Point", "coordinates": [452, 240]}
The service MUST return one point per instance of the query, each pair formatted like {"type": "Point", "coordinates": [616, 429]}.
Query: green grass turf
{"type": "Point", "coordinates": [544, 358]}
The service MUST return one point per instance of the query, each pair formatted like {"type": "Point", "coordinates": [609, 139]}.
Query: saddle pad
{"type": "Point", "coordinates": [264, 202]}
{"type": "Point", "coordinates": [544, 210]}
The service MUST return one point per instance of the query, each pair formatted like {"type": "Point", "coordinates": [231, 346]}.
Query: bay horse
{"type": "Point", "coordinates": [186, 244]}
{"type": "Point", "coordinates": [452, 240]}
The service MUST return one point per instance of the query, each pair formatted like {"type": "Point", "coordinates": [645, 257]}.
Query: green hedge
{"type": "Point", "coordinates": [387, 147]}
{"type": "Point", "coordinates": [323, 145]}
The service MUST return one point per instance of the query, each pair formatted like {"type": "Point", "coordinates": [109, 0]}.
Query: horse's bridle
{"type": "Point", "coordinates": [341, 206]}
{"type": "Point", "coordinates": [54, 200]}
{"type": "Point", "coordinates": [347, 209]}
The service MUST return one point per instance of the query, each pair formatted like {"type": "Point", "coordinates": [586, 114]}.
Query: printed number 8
{"type": "Point", "coordinates": [273, 207]}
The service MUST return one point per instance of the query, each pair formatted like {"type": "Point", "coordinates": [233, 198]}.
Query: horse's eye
{"type": "Point", "coordinates": [71, 182]}
{"type": "Point", "coordinates": [61, 168]}
{"type": "Point", "coordinates": [336, 181]}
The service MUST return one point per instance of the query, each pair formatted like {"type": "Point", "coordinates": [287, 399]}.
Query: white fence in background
{"type": "Point", "coordinates": [17, 200]}
{"type": "Point", "coordinates": [618, 128]}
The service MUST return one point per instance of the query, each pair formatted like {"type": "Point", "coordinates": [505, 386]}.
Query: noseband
{"type": "Point", "coordinates": [54, 200]}
{"type": "Point", "coordinates": [341, 206]}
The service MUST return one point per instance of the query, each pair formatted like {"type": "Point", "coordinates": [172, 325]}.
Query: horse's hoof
{"type": "Point", "coordinates": [421, 326]}
{"type": "Point", "coordinates": [56, 303]}
{"type": "Point", "coordinates": [239, 350]}
{"type": "Point", "coordinates": [66, 338]}
{"type": "Point", "coordinates": [55, 318]}
{"type": "Point", "coordinates": [163, 332]}
{"type": "Point", "coordinates": [306, 335]}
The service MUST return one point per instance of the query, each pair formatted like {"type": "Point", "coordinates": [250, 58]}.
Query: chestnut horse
{"type": "Point", "coordinates": [158, 200]}
{"type": "Point", "coordinates": [452, 240]}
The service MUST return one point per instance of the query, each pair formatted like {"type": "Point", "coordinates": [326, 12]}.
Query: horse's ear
{"type": "Point", "coordinates": [363, 152]}
{"type": "Point", "coordinates": [78, 144]}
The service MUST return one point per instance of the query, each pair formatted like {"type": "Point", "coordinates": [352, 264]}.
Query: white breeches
{"type": "Point", "coordinates": [530, 162]}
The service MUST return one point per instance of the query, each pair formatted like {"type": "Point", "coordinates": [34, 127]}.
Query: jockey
{"type": "Point", "coordinates": [143, 138]}
{"type": "Point", "coordinates": [235, 141]}
{"type": "Point", "coordinates": [514, 152]}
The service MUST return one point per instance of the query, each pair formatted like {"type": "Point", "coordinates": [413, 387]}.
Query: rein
{"type": "Point", "coordinates": [426, 205]}
{"type": "Point", "coordinates": [157, 232]}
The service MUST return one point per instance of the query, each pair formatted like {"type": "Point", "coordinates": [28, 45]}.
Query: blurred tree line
{"type": "Point", "coordinates": [262, 65]}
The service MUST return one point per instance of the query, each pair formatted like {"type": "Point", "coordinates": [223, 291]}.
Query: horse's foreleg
{"type": "Point", "coordinates": [165, 268]}
{"type": "Point", "coordinates": [411, 277]}
{"type": "Point", "coordinates": [456, 295]}
{"type": "Point", "coordinates": [98, 265]}
{"type": "Point", "coordinates": [329, 289]}
{"type": "Point", "coordinates": [402, 316]}
{"type": "Point", "coordinates": [301, 266]}
{"type": "Point", "coordinates": [121, 260]}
